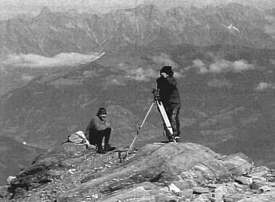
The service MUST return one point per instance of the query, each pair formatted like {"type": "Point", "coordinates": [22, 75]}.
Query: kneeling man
{"type": "Point", "coordinates": [98, 129]}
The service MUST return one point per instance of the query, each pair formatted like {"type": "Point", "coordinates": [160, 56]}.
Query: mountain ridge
{"type": "Point", "coordinates": [138, 26]}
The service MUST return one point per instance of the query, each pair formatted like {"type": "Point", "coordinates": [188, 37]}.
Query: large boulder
{"type": "Point", "coordinates": [185, 164]}
{"type": "Point", "coordinates": [45, 168]}
{"type": "Point", "coordinates": [156, 172]}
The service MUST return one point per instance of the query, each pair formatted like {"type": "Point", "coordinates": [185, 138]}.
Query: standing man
{"type": "Point", "coordinates": [169, 95]}
{"type": "Point", "coordinates": [99, 128]}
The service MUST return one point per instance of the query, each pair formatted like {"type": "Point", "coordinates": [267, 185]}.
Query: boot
{"type": "Point", "coordinates": [171, 138]}
{"type": "Point", "coordinates": [101, 151]}
{"type": "Point", "coordinates": [177, 138]}
{"type": "Point", "coordinates": [99, 144]}
{"type": "Point", "coordinates": [107, 146]}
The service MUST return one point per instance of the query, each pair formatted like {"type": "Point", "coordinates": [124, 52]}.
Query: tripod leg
{"type": "Point", "coordinates": [148, 112]}
{"type": "Point", "coordinates": [134, 140]}
{"type": "Point", "coordinates": [168, 127]}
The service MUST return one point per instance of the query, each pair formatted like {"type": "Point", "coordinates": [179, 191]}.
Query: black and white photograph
{"type": "Point", "coordinates": [137, 100]}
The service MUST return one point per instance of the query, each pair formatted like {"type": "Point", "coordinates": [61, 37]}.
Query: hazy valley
{"type": "Point", "coordinates": [53, 77]}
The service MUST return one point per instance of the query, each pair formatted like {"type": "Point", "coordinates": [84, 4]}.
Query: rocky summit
{"type": "Point", "coordinates": [156, 172]}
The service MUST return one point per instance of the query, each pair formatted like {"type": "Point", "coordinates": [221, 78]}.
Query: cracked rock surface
{"type": "Point", "coordinates": [156, 172]}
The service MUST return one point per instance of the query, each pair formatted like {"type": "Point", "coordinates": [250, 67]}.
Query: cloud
{"type": "Point", "coordinates": [134, 72]}
{"type": "Point", "coordinates": [198, 64]}
{"type": "Point", "coordinates": [38, 61]}
{"type": "Point", "coordinates": [26, 77]}
{"type": "Point", "coordinates": [219, 83]}
{"type": "Point", "coordinates": [146, 71]}
{"type": "Point", "coordinates": [228, 66]}
{"type": "Point", "coordinates": [164, 59]}
{"type": "Point", "coordinates": [265, 86]}
{"type": "Point", "coordinates": [222, 66]}
{"type": "Point", "coordinates": [114, 80]}
{"type": "Point", "coordinates": [242, 65]}
{"type": "Point", "coordinates": [141, 74]}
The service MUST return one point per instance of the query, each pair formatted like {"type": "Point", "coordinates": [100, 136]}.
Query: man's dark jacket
{"type": "Point", "coordinates": [168, 90]}
{"type": "Point", "coordinates": [95, 128]}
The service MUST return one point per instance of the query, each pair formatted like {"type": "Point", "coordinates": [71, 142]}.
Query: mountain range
{"type": "Point", "coordinates": [54, 34]}
{"type": "Point", "coordinates": [51, 33]}
{"type": "Point", "coordinates": [223, 57]}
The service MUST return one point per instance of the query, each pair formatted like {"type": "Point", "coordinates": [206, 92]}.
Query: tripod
{"type": "Point", "coordinates": [165, 119]}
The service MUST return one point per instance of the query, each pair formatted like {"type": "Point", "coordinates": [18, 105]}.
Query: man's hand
{"type": "Point", "coordinates": [108, 124]}
{"type": "Point", "coordinates": [156, 94]}
{"type": "Point", "coordinates": [164, 75]}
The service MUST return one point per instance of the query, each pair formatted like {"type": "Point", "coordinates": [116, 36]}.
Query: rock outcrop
{"type": "Point", "coordinates": [157, 172]}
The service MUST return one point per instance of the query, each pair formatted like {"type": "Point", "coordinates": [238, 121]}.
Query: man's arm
{"type": "Point", "coordinates": [158, 81]}
{"type": "Point", "coordinates": [108, 123]}
{"type": "Point", "coordinates": [157, 89]}
{"type": "Point", "coordinates": [172, 81]}
{"type": "Point", "coordinates": [100, 125]}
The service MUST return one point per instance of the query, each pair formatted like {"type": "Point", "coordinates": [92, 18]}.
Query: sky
{"type": "Point", "coordinates": [11, 8]}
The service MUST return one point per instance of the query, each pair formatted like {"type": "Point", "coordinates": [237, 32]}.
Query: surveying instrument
{"type": "Point", "coordinates": [165, 119]}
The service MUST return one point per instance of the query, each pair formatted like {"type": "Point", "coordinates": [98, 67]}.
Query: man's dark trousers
{"type": "Point", "coordinates": [99, 137]}
{"type": "Point", "coordinates": [172, 111]}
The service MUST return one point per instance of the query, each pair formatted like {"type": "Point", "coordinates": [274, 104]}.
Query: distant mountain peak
{"type": "Point", "coordinates": [45, 11]}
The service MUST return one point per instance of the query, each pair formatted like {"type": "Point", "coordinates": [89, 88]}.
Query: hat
{"type": "Point", "coordinates": [167, 69]}
{"type": "Point", "coordinates": [101, 110]}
